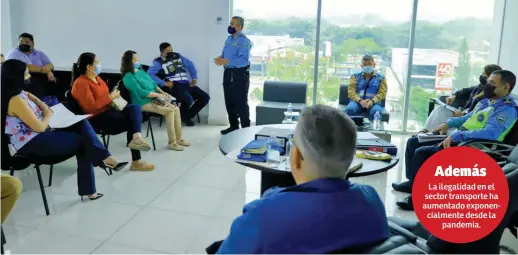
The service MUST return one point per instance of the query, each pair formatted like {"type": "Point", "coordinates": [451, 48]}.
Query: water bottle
{"type": "Point", "coordinates": [377, 121]}
{"type": "Point", "coordinates": [290, 113]}
{"type": "Point", "coordinates": [273, 153]}
{"type": "Point", "coordinates": [288, 118]}
{"type": "Point", "coordinates": [288, 151]}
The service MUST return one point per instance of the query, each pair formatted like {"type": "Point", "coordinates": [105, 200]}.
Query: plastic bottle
{"type": "Point", "coordinates": [290, 112]}
{"type": "Point", "coordinates": [273, 153]}
{"type": "Point", "coordinates": [377, 121]}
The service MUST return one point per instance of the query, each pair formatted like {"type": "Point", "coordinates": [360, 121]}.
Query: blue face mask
{"type": "Point", "coordinates": [98, 69]}
{"type": "Point", "coordinates": [136, 65]}
{"type": "Point", "coordinates": [368, 69]}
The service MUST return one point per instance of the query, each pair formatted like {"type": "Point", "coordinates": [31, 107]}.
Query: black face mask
{"type": "Point", "coordinates": [24, 48]}
{"type": "Point", "coordinates": [489, 90]}
{"type": "Point", "coordinates": [483, 79]}
{"type": "Point", "coordinates": [170, 55]}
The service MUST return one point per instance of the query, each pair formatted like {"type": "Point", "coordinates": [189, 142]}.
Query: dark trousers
{"type": "Point", "coordinates": [236, 82]}
{"type": "Point", "coordinates": [79, 140]}
{"type": "Point", "coordinates": [416, 154]}
{"type": "Point", "coordinates": [191, 99]}
{"type": "Point", "coordinates": [113, 122]}
{"type": "Point", "coordinates": [41, 87]}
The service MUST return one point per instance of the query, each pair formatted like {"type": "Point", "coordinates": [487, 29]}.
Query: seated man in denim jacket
{"type": "Point", "coordinates": [324, 212]}
{"type": "Point", "coordinates": [366, 90]}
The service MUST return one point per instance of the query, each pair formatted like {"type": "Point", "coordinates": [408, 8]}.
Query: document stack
{"type": "Point", "coordinates": [255, 150]}
{"type": "Point", "coordinates": [430, 137]}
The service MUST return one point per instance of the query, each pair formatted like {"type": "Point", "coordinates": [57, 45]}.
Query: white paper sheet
{"type": "Point", "coordinates": [366, 136]}
{"type": "Point", "coordinates": [63, 118]}
{"type": "Point", "coordinates": [449, 107]}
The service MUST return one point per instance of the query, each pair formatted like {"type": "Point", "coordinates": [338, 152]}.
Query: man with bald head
{"type": "Point", "coordinates": [324, 212]}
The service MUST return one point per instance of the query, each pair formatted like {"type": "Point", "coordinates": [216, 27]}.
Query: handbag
{"type": "Point", "coordinates": [118, 103]}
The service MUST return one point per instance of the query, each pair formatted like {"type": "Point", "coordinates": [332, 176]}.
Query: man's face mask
{"type": "Point", "coordinates": [170, 55]}
{"type": "Point", "coordinates": [231, 30]}
{"type": "Point", "coordinates": [24, 47]}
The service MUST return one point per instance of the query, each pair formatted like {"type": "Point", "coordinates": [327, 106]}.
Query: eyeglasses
{"type": "Point", "coordinates": [292, 143]}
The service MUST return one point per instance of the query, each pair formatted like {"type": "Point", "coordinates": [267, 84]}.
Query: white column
{"type": "Point", "coordinates": [505, 28]}
{"type": "Point", "coordinates": [6, 43]}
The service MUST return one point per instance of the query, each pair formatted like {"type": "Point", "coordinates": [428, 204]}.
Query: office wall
{"type": "Point", "coordinates": [65, 28]}
{"type": "Point", "coordinates": [505, 26]}
{"type": "Point", "coordinates": [6, 43]}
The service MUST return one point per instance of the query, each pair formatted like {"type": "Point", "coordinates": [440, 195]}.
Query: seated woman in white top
{"type": "Point", "coordinates": [27, 119]}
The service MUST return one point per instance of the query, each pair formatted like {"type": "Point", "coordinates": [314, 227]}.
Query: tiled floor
{"type": "Point", "coordinates": [188, 202]}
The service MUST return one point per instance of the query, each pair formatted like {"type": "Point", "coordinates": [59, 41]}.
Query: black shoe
{"type": "Point", "coordinates": [403, 187]}
{"type": "Point", "coordinates": [188, 122]}
{"type": "Point", "coordinates": [406, 204]}
{"type": "Point", "coordinates": [228, 130]}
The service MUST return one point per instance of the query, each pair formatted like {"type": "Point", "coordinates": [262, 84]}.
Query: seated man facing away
{"type": "Point", "coordinates": [465, 100]}
{"type": "Point", "coordinates": [492, 119]}
{"type": "Point", "coordinates": [366, 90]}
{"type": "Point", "coordinates": [324, 212]}
{"type": "Point", "coordinates": [38, 63]}
{"type": "Point", "coordinates": [171, 72]}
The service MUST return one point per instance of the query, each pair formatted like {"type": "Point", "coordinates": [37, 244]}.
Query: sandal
{"type": "Point", "coordinates": [139, 144]}
{"type": "Point", "coordinates": [174, 147]}
{"type": "Point", "coordinates": [182, 142]}
{"type": "Point", "coordinates": [92, 197]}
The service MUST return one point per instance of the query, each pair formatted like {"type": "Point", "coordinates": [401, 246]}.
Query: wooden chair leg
{"type": "Point", "coordinates": [198, 116]}
{"type": "Point", "coordinates": [150, 128]}
{"type": "Point", "coordinates": [42, 188]}
{"type": "Point", "coordinates": [161, 120]}
{"type": "Point", "coordinates": [51, 174]}
{"type": "Point", "coordinates": [108, 142]}
{"type": "Point", "coordinates": [12, 172]}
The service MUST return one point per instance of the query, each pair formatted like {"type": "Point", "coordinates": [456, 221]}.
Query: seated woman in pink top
{"type": "Point", "coordinates": [27, 119]}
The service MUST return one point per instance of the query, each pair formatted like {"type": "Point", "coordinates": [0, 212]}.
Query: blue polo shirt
{"type": "Point", "coordinates": [320, 216]}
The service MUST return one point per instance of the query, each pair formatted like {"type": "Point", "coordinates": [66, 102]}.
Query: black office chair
{"type": "Point", "coordinates": [498, 150]}
{"type": "Point", "coordinates": [74, 107]}
{"type": "Point", "coordinates": [146, 116]}
{"type": "Point", "coordinates": [18, 163]}
{"type": "Point", "coordinates": [146, 68]}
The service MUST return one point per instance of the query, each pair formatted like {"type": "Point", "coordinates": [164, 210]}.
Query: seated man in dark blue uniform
{"type": "Point", "coordinates": [176, 75]}
{"type": "Point", "coordinates": [493, 117]}
{"type": "Point", "coordinates": [324, 212]}
{"type": "Point", "coordinates": [366, 90]}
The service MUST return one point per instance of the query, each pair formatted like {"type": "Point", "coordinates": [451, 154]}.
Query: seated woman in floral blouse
{"type": "Point", "coordinates": [27, 119]}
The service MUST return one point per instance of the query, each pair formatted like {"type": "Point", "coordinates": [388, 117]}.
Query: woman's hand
{"type": "Point", "coordinates": [47, 112]}
{"type": "Point", "coordinates": [115, 94]}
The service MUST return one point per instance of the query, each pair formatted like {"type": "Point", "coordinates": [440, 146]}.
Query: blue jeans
{"type": "Point", "coordinates": [416, 154]}
{"type": "Point", "coordinates": [355, 109]}
{"type": "Point", "coordinates": [79, 140]}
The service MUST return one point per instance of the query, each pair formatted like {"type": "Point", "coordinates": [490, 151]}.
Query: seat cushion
{"type": "Point", "coordinates": [273, 112]}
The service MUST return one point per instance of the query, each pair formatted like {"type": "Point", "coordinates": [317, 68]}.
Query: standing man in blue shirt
{"type": "Point", "coordinates": [177, 75]}
{"type": "Point", "coordinates": [235, 58]}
